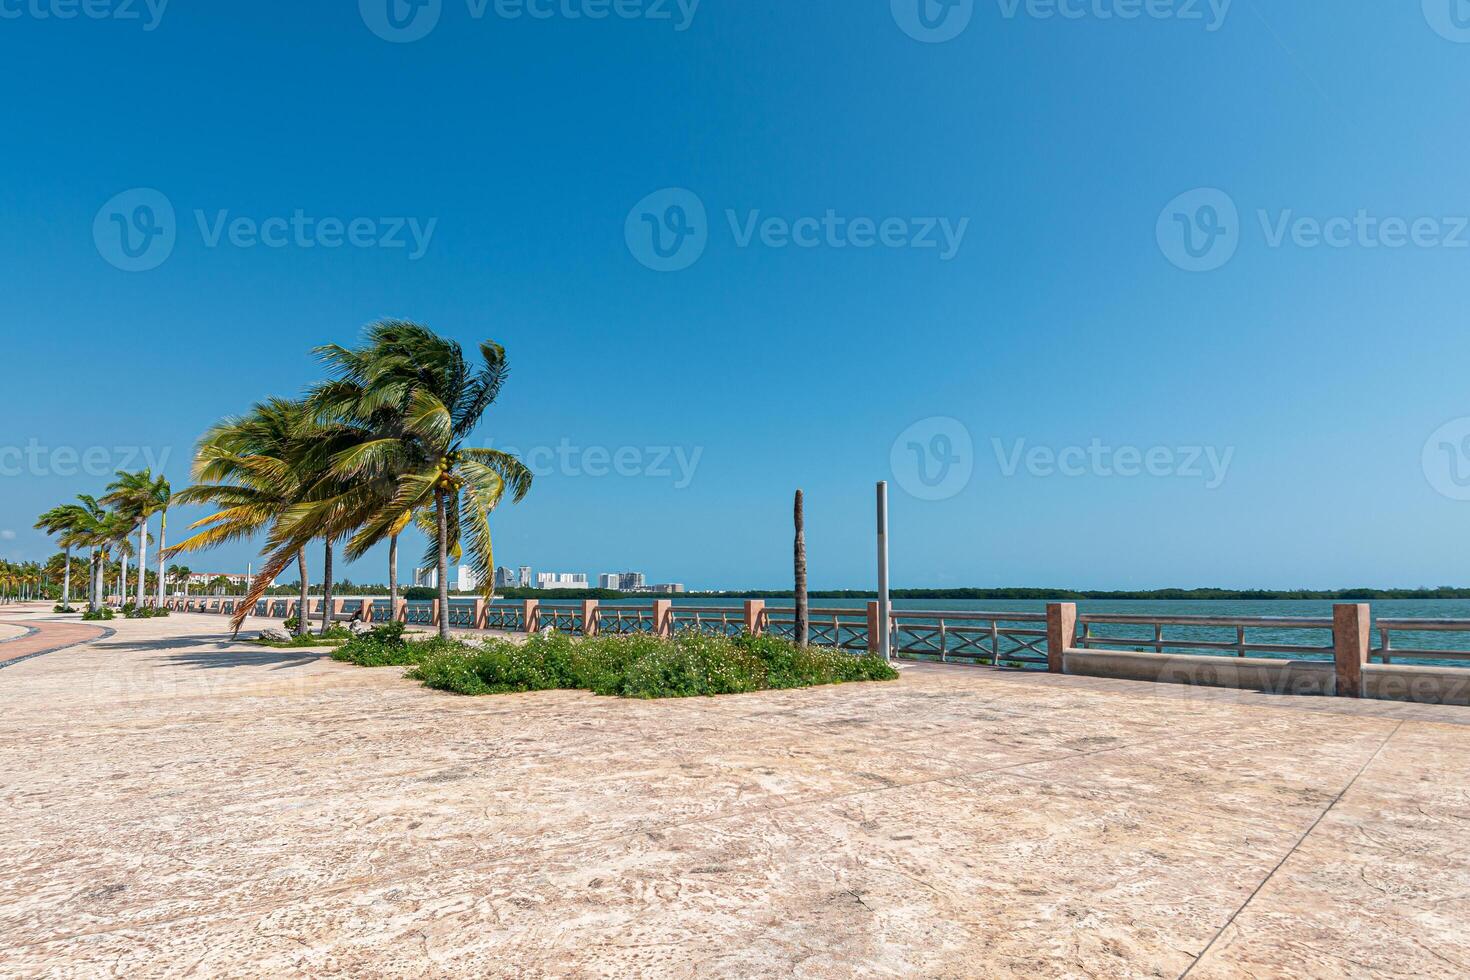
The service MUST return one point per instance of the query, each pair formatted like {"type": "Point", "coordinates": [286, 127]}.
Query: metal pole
{"type": "Point", "coordinates": [885, 646]}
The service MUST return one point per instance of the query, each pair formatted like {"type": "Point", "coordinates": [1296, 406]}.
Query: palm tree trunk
{"type": "Point", "coordinates": [142, 561]}
{"type": "Point", "coordinates": [122, 575]}
{"type": "Point", "coordinates": [392, 578]}
{"type": "Point", "coordinates": [162, 543]}
{"type": "Point", "coordinates": [66, 582]}
{"type": "Point", "coordinates": [327, 588]}
{"type": "Point", "coordinates": [92, 590]}
{"type": "Point", "coordinates": [800, 556]}
{"type": "Point", "coordinates": [301, 627]}
{"type": "Point", "coordinates": [441, 518]}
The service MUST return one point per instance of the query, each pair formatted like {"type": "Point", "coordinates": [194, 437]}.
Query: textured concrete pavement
{"type": "Point", "coordinates": [175, 804]}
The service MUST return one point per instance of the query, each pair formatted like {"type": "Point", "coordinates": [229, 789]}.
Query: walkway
{"type": "Point", "coordinates": [179, 803]}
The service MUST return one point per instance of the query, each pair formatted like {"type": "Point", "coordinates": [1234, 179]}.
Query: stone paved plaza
{"type": "Point", "coordinates": [177, 804]}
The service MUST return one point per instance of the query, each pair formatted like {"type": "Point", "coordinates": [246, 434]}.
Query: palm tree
{"type": "Point", "coordinates": [179, 574]}
{"type": "Point", "coordinates": [139, 496]}
{"type": "Point", "coordinates": [254, 468]}
{"type": "Point", "coordinates": [162, 495]}
{"type": "Point", "coordinates": [377, 481]}
{"type": "Point", "coordinates": [66, 522]}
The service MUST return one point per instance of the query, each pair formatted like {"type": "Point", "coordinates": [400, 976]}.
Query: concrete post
{"type": "Point", "coordinates": [589, 617]}
{"type": "Point", "coordinates": [663, 619]}
{"type": "Point", "coordinates": [1351, 635]}
{"type": "Point", "coordinates": [755, 610]}
{"type": "Point", "coordinates": [479, 614]}
{"type": "Point", "coordinates": [1061, 627]}
{"type": "Point", "coordinates": [400, 615]}
{"type": "Point", "coordinates": [434, 619]}
{"type": "Point", "coordinates": [533, 615]}
{"type": "Point", "coordinates": [875, 632]}
{"type": "Point", "coordinates": [365, 611]}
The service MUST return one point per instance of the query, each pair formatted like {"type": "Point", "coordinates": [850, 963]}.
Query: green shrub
{"type": "Point", "coordinates": [688, 665]}
{"type": "Point", "coordinates": [59, 608]}
{"type": "Point", "coordinates": [103, 613]}
{"type": "Point", "coordinates": [385, 646]}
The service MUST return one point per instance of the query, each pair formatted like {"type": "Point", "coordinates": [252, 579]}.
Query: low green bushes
{"type": "Point", "coordinates": [134, 611]}
{"type": "Point", "coordinates": [687, 665]}
{"type": "Point", "coordinates": [96, 614]}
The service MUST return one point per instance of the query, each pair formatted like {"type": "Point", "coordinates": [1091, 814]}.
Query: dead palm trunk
{"type": "Point", "coordinates": [162, 544]}
{"type": "Point", "coordinates": [392, 578]}
{"type": "Point", "coordinates": [301, 627]}
{"type": "Point", "coordinates": [327, 588]}
{"type": "Point", "coordinates": [142, 561]}
{"type": "Point", "coordinates": [800, 556]}
{"type": "Point", "coordinates": [441, 518]}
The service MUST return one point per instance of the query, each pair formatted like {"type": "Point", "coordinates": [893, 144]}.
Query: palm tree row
{"type": "Point", "coordinates": [377, 446]}
{"type": "Point", "coordinates": [22, 581]}
{"type": "Point", "coordinates": [104, 526]}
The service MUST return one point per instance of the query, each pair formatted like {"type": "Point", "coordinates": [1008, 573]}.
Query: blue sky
{"type": "Point", "coordinates": [1324, 381]}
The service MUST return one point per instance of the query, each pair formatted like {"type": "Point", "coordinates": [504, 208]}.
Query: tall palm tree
{"type": "Point", "coordinates": [377, 481]}
{"type": "Point", "coordinates": [254, 468]}
{"type": "Point", "coordinates": [66, 522]}
{"type": "Point", "coordinates": [179, 574]}
{"type": "Point", "coordinates": [139, 496]}
{"type": "Point", "coordinates": [162, 495]}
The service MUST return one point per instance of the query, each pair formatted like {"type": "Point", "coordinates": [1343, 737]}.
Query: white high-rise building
{"type": "Point", "coordinates": [427, 578]}
{"type": "Point", "coordinates": [609, 582]}
{"type": "Point", "coordinates": [467, 580]}
{"type": "Point", "coordinates": [561, 580]}
{"type": "Point", "coordinates": [525, 573]}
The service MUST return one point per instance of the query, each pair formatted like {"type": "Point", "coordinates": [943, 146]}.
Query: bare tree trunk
{"type": "Point", "coordinates": [442, 520]}
{"type": "Point", "coordinates": [162, 543]}
{"type": "Point", "coordinates": [327, 588]}
{"type": "Point", "coordinates": [122, 575]}
{"type": "Point", "coordinates": [801, 606]}
{"type": "Point", "coordinates": [301, 627]}
{"type": "Point", "coordinates": [392, 578]}
{"type": "Point", "coordinates": [66, 582]}
{"type": "Point", "coordinates": [142, 561]}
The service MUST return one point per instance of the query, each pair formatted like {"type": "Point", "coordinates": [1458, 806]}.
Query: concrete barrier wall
{"type": "Point", "coordinates": [1245, 673]}
{"type": "Point", "coordinates": [1384, 682]}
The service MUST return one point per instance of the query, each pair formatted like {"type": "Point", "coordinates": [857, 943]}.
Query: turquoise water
{"type": "Point", "coordinates": [1293, 608]}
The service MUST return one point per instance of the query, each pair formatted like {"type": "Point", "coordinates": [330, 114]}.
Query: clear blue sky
{"type": "Point", "coordinates": [1060, 319]}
